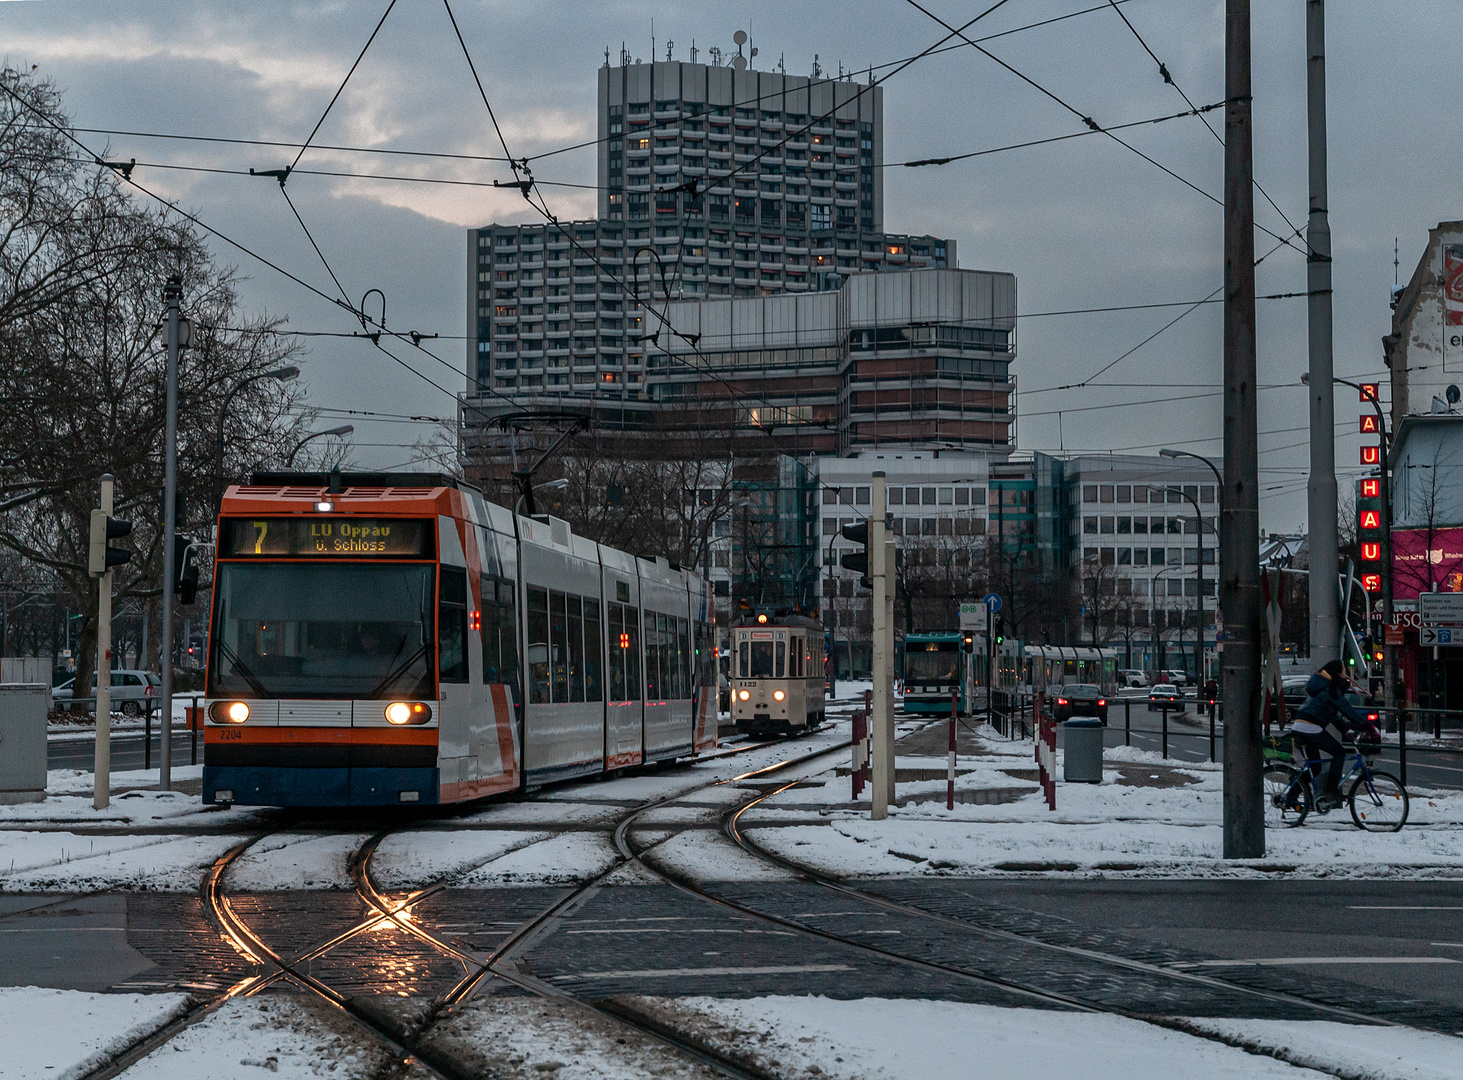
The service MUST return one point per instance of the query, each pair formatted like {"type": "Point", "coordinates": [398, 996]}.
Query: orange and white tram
{"type": "Point", "coordinates": [388, 639]}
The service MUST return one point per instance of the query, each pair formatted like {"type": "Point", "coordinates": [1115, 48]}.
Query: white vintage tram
{"type": "Point", "coordinates": [777, 675]}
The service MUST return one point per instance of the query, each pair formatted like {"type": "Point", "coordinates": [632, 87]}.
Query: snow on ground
{"type": "Point", "coordinates": [1147, 817]}
{"type": "Point", "coordinates": [563, 859]}
{"type": "Point", "coordinates": [295, 861]}
{"type": "Point", "coordinates": [62, 1034]}
{"type": "Point", "coordinates": [411, 859]}
{"type": "Point", "coordinates": [1383, 1053]}
{"type": "Point", "coordinates": [708, 856]}
{"type": "Point", "coordinates": [31, 861]}
{"type": "Point", "coordinates": [518, 1038]}
{"type": "Point", "coordinates": [69, 799]}
{"type": "Point", "coordinates": [886, 1039]}
{"type": "Point", "coordinates": [288, 1036]}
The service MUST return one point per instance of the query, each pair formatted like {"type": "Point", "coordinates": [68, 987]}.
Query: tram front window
{"type": "Point", "coordinates": [761, 666]}
{"type": "Point", "coordinates": [932, 666]}
{"type": "Point", "coordinates": [322, 630]}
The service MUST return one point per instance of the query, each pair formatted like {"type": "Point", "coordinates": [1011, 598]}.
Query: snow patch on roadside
{"type": "Point", "coordinates": [559, 860]}
{"type": "Point", "coordinates": [1352, 1050]}
{"type": "Point", "coordinates": [66, 861]}
{"type": "Point", "coordinates": [885, 1038]}
{"type": "Point", "coordinates": [282, 1036]}
{"type": "Point", "coordinates": [411, 859]}
{"type": "Point", "coordinates": [705, 856]}
{"type": "Point", "coordinates": [292, 861]}
{"type": "Point", "coordinates": [63, 1034]}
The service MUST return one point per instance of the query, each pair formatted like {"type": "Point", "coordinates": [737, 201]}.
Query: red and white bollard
{"type": "Point", "coordinates": [950, 770]}
{"type": "Point", "coordinates": [1046, 751]}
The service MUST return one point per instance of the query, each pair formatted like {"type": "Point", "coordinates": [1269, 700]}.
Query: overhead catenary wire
{"type": "Point", "coordinates": [1086, 119]}
{"type": "Point", "coordinates": [447, 156]}
{"type": "Point", "coordinates": [1168, 78]}
{"type": "Point", "coordinates": [341, 89]}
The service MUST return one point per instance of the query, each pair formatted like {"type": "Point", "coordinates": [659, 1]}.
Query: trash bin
{"type": "Point", "coordinates": [23, 742]}
{"type": "Point", "coordinates": [1082, 750]}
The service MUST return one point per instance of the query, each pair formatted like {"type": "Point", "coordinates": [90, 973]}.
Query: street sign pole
{"type": "Point", "coordinates": [171, 292]}
{"type": "Point", "coordinates": [102, 762]}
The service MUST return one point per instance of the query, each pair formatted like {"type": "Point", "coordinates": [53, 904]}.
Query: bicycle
{"type": "Point", "coordinates": [1377, 800]}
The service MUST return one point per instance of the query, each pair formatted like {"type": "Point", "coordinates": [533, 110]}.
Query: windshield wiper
{"type": "Point", "coordinates": [400, 670]}
{"type": "Point", "coordinates": [241, 668]}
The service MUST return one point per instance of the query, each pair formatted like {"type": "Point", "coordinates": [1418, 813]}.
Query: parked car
{"type": "Point", "coordinates": [1177, 676]}
{"type": "Point", "coordinates": [133, 692]}
{"type": "Point", "coordinates": [1165, 695]}
{"type": "Point", "coordinates": [1132, 678]}
{"type": "Point", "coordinates": [1079, 699]}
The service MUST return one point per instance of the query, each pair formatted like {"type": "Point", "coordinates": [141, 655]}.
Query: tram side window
{"type": "Point", "coordinates": [652, 658]}
{"type": "Point", "coordinates": [538, 646]}
{"type": "Point", "coordinates": [452, 626]}
{"type": "Point", "coordinates": [488, 606]}
{"type": "Point", "coordinates": [632, 655]}
{"type": "Point", "coordinates": [781, 658]}
{"type": "Point", "coordinates": [559, 639]}
{"type": "Point", "coordinates": [619, 646]}
{"type": "Point", "coordinates": [744, 662]}
{"type": "Point", "coordinates": [683, 658]}
{"type": "Point", "coordinates": [508, 633]}
{"type": "Point", "coordinates": [795, 658]}
{"type": "Point", "coordinates": [576, 648]}
{"type": "Point", "coordinates": [593, 653]}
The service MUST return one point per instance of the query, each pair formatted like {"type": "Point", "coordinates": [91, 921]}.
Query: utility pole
{"type": "Point", "coordinates": [883, 733]}
{"type": "Point", "coordinates": [172, 292]}
{"type": "Point", "coordinates": [1239, 534]}
{"type": "Point", "coordinates": [1321, 488]}
{"type": "Point", "coordinates": [100, 559]}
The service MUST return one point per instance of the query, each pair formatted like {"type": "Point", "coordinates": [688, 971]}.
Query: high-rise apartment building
{"type": "Point", "coordinates": [714, 181]}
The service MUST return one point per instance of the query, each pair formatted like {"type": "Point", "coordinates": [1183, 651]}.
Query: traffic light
{"type": "Point", "coordinates": [185, 570]}
{"type": "Point", "coordinates": [858, 560]}
{"type": "Point", "coordinates": [101, 556]}
{"type": "Point", "coordinates": [967, 641]}
{"type": "Point", "coordinates": [998, 629]}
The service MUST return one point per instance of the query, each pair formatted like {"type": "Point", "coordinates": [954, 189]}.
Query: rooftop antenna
{"type": "Point", "coordinates": [607, 56]}
{"type": "Point", "coordinates": [1396, 262]}
{"type": "Point", "coordinates": [739, 61]}
{"type": "Point", "coordinates": [624, 55]}
{"type": "Point", "coordinates": [652, 39]}
{"type": "Point", "coordinates": [669, 45]}
{"type": "Point", "coordinates": [716, 54]}
{"type": "Point", "coordinates": [817, 70]}
{"type": "Point", "coordinates": [781, 65]}
{"type": "Point", "coordinates": [693, 50]}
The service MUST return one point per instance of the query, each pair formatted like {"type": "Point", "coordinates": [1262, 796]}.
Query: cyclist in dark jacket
{"type": "Point", "coordinates": [1325, 705]}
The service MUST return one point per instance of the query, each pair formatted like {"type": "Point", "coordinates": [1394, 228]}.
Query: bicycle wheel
{"type": "Point", "coordinates": [1378, 802]}
{"type": "Point", "coordinates": [1287, 796]}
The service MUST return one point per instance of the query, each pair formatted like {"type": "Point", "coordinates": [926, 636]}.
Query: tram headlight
{"type": "Point", "coordinates": [778, 695]}
{"type": "Point", "coordinates": [228, 712]}
{"type": "Point", "coordinates": [744, 695]}
{"type": "Point", "coordinates": [408, 712]}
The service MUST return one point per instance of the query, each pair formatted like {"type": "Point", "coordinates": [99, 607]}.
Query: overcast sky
{"type": "Point", "coordinates": [1082, 223]}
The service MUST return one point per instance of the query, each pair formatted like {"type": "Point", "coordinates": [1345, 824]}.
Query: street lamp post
{"type": "Point", "coordinates": [1199, 556]}
{"type": "Point", "coordinates": [283, 374]}
{"type": "Point", "coordinates": [344, 429]}
{"type": "Point", "coordinates": [1157, 633]}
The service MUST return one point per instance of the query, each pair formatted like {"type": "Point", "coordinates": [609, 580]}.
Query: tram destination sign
{"type": "Point", "coordinates": [334, 538]}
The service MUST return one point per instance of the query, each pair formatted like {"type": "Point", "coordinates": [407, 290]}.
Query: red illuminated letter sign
{"type": "Point", "coordinates": [1371, 455]}
{"type": "Point", "coordinates": [1371, 489]}
{"type": "Point", "coordinates": [1370, 519]}
{"type": "Point", "coordinates": [1369, 425]}
{"type": "Point", "coordinates": [1372, 583]}
{"type": "Point", "coordinates": [1371, 552]}
{"type": "Point", "coordinates": [1368, 391]}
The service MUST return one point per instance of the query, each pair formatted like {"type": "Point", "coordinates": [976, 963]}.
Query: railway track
{"type": "Point", "coordinates": [990, 957]}
{"type": "Point", "coordinates": [408, 1041]}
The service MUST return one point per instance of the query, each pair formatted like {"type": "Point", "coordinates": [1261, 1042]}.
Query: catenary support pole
{"type": "Point", "coordinates": [1321, 488]}
{"type": "Point", "coordinates": [891, 578]}
{"type": "Point", "coordinates": [102, 762]}
{"type": "Point", "coordinates": [878, 573]}
{"type": "Point", "coordinates": [950, 765]}
{"type": "Point", "coordinates": [1239, 540]}
{"type": "Point", "coordinates": [172, 293]}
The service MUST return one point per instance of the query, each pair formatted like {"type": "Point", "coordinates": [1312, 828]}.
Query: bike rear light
{"type": "Point", "coordinates": [778, 695]}
{"type": "Point", "coordinates": [228, 712]}
{"type": "Point", "coordinates": [408, 712]}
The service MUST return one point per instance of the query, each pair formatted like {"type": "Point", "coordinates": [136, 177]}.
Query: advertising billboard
{"type": "Point", "coordinates": [1424, 557]}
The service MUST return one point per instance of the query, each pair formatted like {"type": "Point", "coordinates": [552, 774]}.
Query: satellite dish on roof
{"type": "Point", "coordinates": [740, 37]}
{"type": "Point", "coordinates": [739, 62]}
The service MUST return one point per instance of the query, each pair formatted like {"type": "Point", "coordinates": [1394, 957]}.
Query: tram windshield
{"type": "Point", "coordinates": [321, 630]}
{"type": "Point", "coordinates": [941, 664]}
